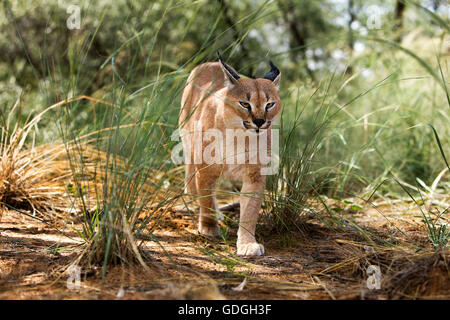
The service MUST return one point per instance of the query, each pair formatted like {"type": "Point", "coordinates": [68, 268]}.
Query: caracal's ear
{"type": "Point", "coordinates": [273, 75]}
{"type": "Point", "coordinates": [231, 77]}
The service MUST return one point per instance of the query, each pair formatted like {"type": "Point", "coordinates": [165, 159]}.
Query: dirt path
{"type": "Point", "coordinates": [317, 262]}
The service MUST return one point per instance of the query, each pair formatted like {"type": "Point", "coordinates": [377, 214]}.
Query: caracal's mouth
{"type": "Point", "coordinates": [255, 129]}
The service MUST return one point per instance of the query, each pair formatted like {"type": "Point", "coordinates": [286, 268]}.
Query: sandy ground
{"type": "Point", "coordinates": [316, 262]}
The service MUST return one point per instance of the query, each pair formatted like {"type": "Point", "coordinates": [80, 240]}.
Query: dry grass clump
{"type": "Point", "coordinates": [31, 178]}
{"type": "Point", "coordinates": [38, 179]}
{"type": "Point", "coordinates": [419, 276]}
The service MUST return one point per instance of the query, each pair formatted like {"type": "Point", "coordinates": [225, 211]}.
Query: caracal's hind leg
{"type": "Point", "coordinates": [190, 188]}
{"type": "Point", "coordinates": [208, 225]}
{"type": "Point", "coordinates": [189, 182]}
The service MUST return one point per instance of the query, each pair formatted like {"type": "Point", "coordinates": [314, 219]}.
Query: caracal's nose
{"type": "Point", "coordinates": [259, 122]}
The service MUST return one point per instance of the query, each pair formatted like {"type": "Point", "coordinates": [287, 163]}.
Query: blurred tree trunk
{"type": "Point", "coordinates": [399, 10]}
{"type": "Point", "coordinates": [400, 7]}
{"type": "Point", "coordinates": [237, 36]}
{"type": "Point", "coordinates": [298, 33]}
{"type": "Point", "coordinates": [351, 40]}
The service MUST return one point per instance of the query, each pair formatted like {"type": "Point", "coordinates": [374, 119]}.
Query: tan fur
{"type": "Point", "coordinates": [212, 97]}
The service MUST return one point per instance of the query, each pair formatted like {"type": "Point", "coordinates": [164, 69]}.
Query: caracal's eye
{"type": "Point", "coordinates": [270, 105]}
{"type": "Point", "coordinates": [245, 105]}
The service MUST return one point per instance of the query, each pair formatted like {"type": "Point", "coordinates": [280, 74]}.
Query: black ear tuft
{"type": "Point", "coordinates": [227, 68]}
{"type": "Point", "coordinates": [273, 73]}
{"type": "Point", "coordinates": [220, 56]}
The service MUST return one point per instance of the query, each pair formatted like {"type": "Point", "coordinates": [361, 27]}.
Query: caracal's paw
{"type": "Point", "coordinates": [209, 230]}
{"type": "Point", "coordinates": [250, 249]}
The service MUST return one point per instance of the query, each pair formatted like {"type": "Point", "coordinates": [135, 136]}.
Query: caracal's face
{"type": "Point", "coordinates": [252, 104]}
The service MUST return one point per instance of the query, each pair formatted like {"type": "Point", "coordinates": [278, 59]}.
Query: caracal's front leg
{"type": "Point", "coordinates": [250, 201]}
